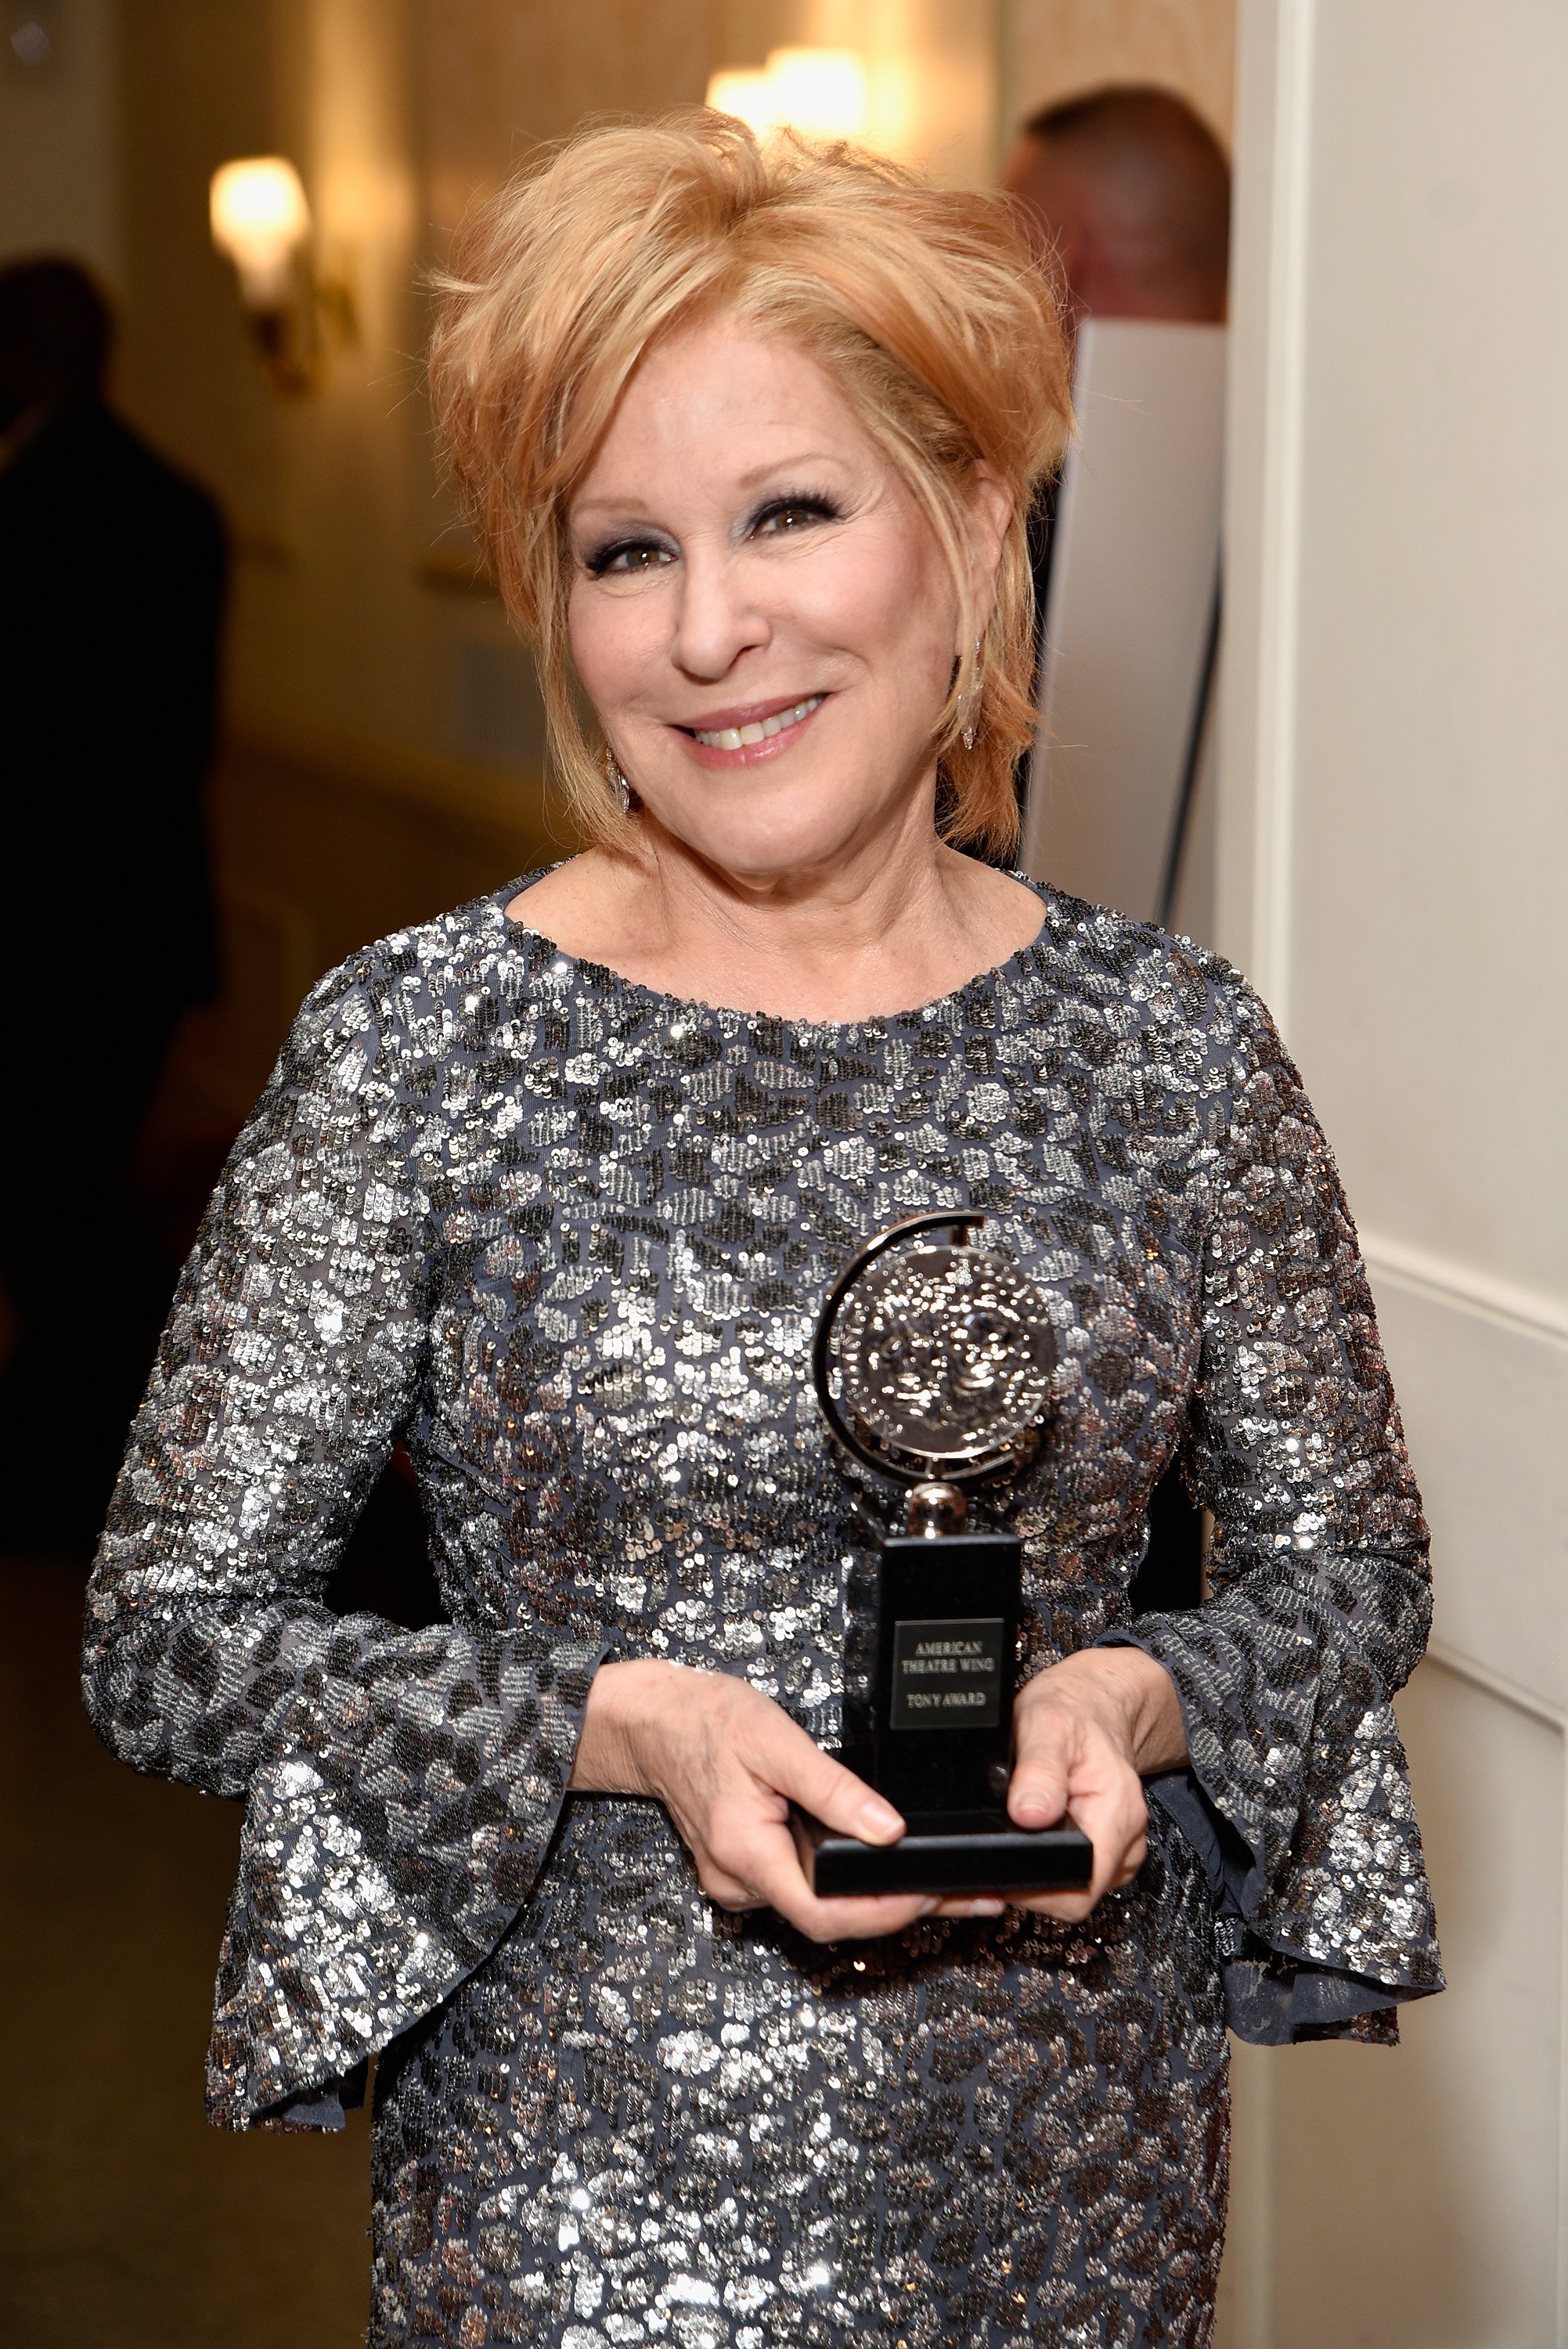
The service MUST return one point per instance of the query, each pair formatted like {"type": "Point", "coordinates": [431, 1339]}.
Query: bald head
{"type": "Point", "coordinates": [1130, 195]}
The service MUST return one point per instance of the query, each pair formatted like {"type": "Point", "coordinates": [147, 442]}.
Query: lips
{"type": "Point", "coordinates": [742, 729]}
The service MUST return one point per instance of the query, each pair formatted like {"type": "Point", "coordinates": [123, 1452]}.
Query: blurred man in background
{"type": "Point", "coordinates": [112, 569]}
{"type": "Point", "coordinates": [1126, 196]}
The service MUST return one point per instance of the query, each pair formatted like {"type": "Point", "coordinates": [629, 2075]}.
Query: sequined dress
{"type": "Point", "coordinates": [567, 1237]}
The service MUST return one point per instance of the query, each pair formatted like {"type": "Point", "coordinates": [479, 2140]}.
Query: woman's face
{"type": "Point", "coordinates": [760, 612]}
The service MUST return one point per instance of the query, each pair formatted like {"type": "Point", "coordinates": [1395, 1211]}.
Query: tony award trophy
{"type": "Point", "coordinates": [932, 1364]}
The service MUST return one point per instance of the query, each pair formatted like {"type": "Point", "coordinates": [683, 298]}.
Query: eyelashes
{"type": "Point", "coordinates": [807, 505]}
{"type": "Point", "coordinates": [629, 556]}
{"type": "Point", "coordinates": [780, 516]}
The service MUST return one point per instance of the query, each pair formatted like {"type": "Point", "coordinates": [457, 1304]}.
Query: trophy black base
{"type": "Point", "coordinates": [948, 1852]}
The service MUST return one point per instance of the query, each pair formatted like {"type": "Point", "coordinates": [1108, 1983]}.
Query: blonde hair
{"type": "Point", "coordinates": [923, 305]}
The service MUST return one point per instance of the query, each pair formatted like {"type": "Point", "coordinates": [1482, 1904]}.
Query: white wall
{"type": "Point", "coordinates": [1394, 872]}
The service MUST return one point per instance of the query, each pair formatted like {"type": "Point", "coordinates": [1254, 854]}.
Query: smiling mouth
{"type": "Point", "coordinates": [760, 730]}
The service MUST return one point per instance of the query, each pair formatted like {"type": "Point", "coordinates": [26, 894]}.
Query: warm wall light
{"type": "Point", "coordinates": [748, 93]}
{"type": "Point", "coordinates": [261, 221]}
{"type": "Point", "coordinates": [819, 91]}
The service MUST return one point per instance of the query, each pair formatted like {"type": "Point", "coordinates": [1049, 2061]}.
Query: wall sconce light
{"type": "Point", "coordinates": [819, 91]}
{"type": "Point", "coordinates": [745, 92]}
{"type": "Point", "coordinates": [261, 221]}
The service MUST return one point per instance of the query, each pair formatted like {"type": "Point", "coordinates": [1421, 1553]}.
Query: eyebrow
{"type": "Point", "coordinates": [633, 502]}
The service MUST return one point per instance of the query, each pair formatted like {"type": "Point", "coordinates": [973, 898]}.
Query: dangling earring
{"type": "Point", "coordinates": [617, 782]}
{"type": "Point", "coordinates": [970, 695]}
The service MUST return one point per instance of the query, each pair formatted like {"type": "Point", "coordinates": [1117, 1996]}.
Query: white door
{"type": "Point", "coordinates": [1394, 874]}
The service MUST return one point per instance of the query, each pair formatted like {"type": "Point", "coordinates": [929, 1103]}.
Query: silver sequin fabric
{"type": "Point", "coordinates": [567, 1239]}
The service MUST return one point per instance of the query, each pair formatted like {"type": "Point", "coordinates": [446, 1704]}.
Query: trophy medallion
{"type": "Point", "coordinates": [932, 1365]}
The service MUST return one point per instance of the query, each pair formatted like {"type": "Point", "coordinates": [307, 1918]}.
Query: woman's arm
{"type": "Point", "coordinates": [400, 1786]}
{"type": "Point", "coordinates": [1320, 1593]}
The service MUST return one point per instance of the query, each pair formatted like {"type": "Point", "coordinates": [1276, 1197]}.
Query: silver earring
{"type": "Point", "coordinates": [966, 702]}
{"type": "Point", "coordinates": [617, 782]}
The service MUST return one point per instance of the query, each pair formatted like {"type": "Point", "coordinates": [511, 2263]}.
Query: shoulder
{"type": "Point", "coordinates": [426, 994]}
{"type": "Point", "coordinates": [89, 470]}
{"type": "Point", "coordinates": [125, 465]}
{"type": "Point", "coordinates": [369, 1055]}
{"type": "Point", "coordinates": [1166, 1031]}
{"type": "Point", "coordinates": [1146, 976]}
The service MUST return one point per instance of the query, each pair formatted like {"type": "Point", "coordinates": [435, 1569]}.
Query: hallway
{"type": "Point", "coordinates": [127, 2223]}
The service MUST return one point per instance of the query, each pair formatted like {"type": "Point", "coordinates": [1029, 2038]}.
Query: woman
{"type": "Point", "coordinates": [554, 1186]}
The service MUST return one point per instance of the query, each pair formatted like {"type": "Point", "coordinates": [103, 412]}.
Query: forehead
{"type": "Point", "coordinates": [727, 395]}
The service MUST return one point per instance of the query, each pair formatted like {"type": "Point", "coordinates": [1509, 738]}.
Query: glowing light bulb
{"type": "Point", "coordinates": [260, 219]}
{"type": "Point", "coordinates": [748, 93]}
{"type": "Point", "coordinates": [819, 91]}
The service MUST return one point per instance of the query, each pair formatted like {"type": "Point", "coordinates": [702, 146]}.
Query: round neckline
{"type": "Point", "coordinates": [1003, 980]}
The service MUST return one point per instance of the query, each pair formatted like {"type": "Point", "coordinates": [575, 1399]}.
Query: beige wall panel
{"type": "Point", "coordinates": [1394, 870]}
{"type": "Point", "coordinates": [337, 633]}
{"type": "Point", "coordinates": [1485, 1404]}
{"type": "Point", "coordinates": [197, 89]}
{"type": "Point", "coordinates": [1058, 48]}
{"type": "Point", "coordinates": [1409, 2199]}
{"type": "Point", "coordinates": [1415, 2191]}
{"type": "Point", "coordinates": [1430, 856]}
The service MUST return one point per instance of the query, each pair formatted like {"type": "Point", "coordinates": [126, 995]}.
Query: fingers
{"type": "Point", "coordinates": [771, 1869]}
{"type": "Point", "coordinates": [1115, 1819]}
{"type": "Point", "coordinates": [1067, 1765]}
{"type": "Point", "coordinates": [832, 1793]}
{"type": "Point", "coordinates": [1037, 1788]}
{"type": "Point", "coordinates": [773, 1866]}
{"type": "Point", "coordinates": [727, 1762]}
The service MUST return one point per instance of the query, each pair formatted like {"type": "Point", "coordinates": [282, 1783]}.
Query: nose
{"type": "Point", "coordinates": [717, 618]}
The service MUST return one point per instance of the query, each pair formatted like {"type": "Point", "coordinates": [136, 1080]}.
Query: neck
{"type": "Point", "coordinates": [809, 929]}
{"type": "Point", "coordinates": [889, 923]}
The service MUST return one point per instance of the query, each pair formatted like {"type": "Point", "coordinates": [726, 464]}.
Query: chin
{"type": "Point", "coordinates": [757, 843]}
{"type": "Point", "coordinates": [756, 826]}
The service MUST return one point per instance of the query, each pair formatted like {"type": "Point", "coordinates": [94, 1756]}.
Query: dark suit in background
{"type": "Point", "coordinates": [112, 571]}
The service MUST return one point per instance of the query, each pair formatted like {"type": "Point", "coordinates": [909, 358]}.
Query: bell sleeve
{"type": "Point", "coordinates": [1319, 1602]}
{"type": "Point", "coordinates": [400, 1787]}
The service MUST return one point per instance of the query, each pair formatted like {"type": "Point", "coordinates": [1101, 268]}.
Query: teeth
{"type": "Point", "coordinates": [732, 737]}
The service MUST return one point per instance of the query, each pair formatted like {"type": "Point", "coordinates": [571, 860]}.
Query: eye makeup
{"type": "Point", "coordinates": [620, 556]}
{"type": "Point", "coordinates": [780, 515]}
{"type": "Point", "coordinates": [809, 505]}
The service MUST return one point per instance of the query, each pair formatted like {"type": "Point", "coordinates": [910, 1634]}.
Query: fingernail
{"type": "Point", "coordinates": [878, 1818]}
{"type": "Point", "coordinates": [983, 1908]}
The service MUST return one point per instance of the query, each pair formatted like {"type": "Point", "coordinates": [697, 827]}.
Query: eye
{"type": "Point", "coordinates": [782, 517]}
{"type": "Point", "coordinates": [627, 558]}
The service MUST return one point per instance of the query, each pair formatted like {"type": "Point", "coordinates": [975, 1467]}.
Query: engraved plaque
{"type": "Point", "coordinates": [948, 1673]}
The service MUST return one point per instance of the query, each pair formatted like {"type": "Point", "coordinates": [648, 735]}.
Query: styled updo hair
{"type": "Point", "coordinates": [924, 305]}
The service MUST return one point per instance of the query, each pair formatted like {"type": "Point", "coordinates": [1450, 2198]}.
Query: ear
{"type": "Point", "coordinates": [990, 510]}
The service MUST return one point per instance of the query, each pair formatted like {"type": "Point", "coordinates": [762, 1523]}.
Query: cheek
{"type": "Point", "coordinates": [616, 641]}
{"type": "Point", "coordinates": [897, 605]}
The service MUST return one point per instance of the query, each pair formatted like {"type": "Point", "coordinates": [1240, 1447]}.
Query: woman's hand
{"type": "Point", "coordinates": [727, 1763]}
{"type": "Point", "coordinates": [1084, 1733]}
